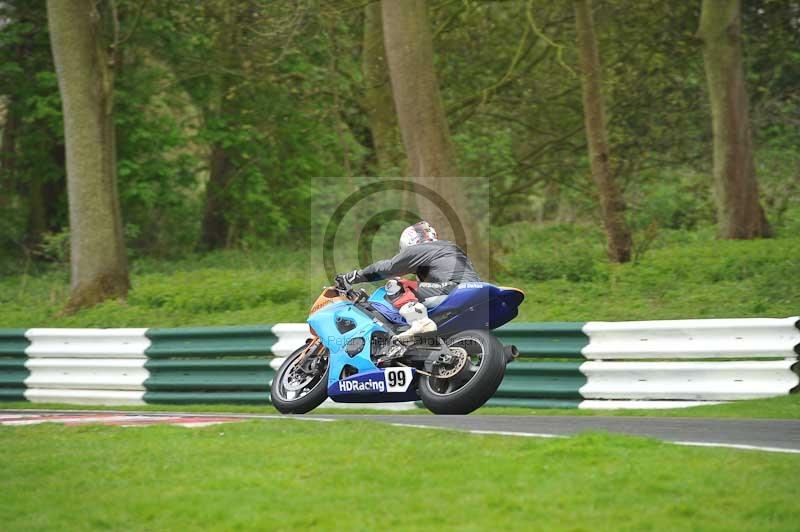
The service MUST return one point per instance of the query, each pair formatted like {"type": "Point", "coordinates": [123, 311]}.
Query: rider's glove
{"type": "Point", "coordinates": [351, 278]}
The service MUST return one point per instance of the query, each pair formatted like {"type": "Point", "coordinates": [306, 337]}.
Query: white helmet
{"type": "Point", "coordinates": [416, 234]}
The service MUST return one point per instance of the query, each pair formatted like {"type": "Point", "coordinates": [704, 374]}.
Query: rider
{"type": "Point", "coordinates": [438, 264]}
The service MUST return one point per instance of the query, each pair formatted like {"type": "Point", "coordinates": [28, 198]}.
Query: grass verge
{"type": "Point", "coordinates": [787, 407]}
{"type": "Point", "coordinates": [285, 474]}
{"type": "Point", "coordinates": [563, 274]}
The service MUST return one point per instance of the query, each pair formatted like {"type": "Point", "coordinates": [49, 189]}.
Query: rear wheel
{"type": "Point", "coordinates": [470, 379]}
{"type": "Point", "coordinates": [300, 385]}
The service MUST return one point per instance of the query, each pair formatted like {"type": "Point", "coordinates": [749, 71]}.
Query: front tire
{"type": "Point", "coordinates": [296, 391]}
{"type": "Point", "coordinates": [459, 396]}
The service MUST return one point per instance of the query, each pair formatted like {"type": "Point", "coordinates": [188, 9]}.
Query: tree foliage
{"type": "Point", "coordinates": [274, 92]}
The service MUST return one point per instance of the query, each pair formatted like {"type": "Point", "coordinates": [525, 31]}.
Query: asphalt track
{"type": "Point", "coordinates": [763, 434]}
{"type": "Point", "coordinates": [760, 434]}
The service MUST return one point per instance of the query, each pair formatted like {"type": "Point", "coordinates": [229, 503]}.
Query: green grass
{"type": "Point", "coordinates": [185, 293]}
{"type": "Point", "coordinates": [787, 407]}
{"type": "Point", "coordinates": [695, 278]}
{"type": "Point", "coordinates": [355, 475]}
{"type": "Point", "coordinates": [561, 269]}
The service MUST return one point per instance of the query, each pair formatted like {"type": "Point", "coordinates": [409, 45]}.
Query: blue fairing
{"type": "Point", "coordinates": [324, 323]}
{"type": "Point", "coordinates": [469, 306]}
{"type": "Point", "coordinates": [370, 387]}
{"type": "Point", "coordinates": [378, 300]}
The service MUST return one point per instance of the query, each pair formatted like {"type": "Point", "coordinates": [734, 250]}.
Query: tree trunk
{"type": "Point", "coordinates": [37, 213]}
{"type": "Point", "coordinates": [85, 79]}
{"type": "Point", "coordinates": [214, 234]}
{"type": "Point", "coordinates": [8, 144]}
{"type": "Point", "coordinates": [612, 204]}
{"type": "Point", "coordinates": [424, 129]}
{"type": "Point", "coordinates": [216, 226]}
{"type": "Point", "coordinates": [54, 192]}
{"type": "Point", "coordinates": [378, 100]}
{"type": "Point", "coordinates": [409, 50]}
{"type": "Point", "coordinates": [8, 154]}
{"type": "Point", "coordinates": [739, 213]}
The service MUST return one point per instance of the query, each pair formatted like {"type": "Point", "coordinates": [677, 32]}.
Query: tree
{"type": "Point", "coordinates": [423, 125]}
{"type": "Point", "coordinates": [85, 70]}
{"type": "Point", "coordinates": [215, 229]}
{"type": "Point", "coordinates": [253, 74]}
{"type": "Point", "coordinates": [32, 179]}
{"type": "Point", "coordinates": [612, 204]}
{"type": "Point", "coordinates": [739, 212]}
{"type": "Point", "coordinates": [409, 50]}
{"type": "Point", "coordinates": [378, 100]}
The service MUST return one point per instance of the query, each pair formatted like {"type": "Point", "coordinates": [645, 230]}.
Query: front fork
{"type": "Point", "coordinates": [304, 363]}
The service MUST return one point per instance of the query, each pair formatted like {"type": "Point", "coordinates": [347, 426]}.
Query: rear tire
{"type": "Point", "coordinates": [477, 390]}
{"type": "Point", "coordinates": [307, 399]}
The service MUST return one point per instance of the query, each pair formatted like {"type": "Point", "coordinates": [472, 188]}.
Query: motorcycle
{"type": "Point", "coordinates": [354, 354]}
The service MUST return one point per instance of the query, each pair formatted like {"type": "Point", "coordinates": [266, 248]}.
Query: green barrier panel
{"type": "Point", "coordinates": [182, 398]}
{"type": "Point", "coordinates": [209, 375]}
{"type": "Point", "coordinates": [12, 394]}
{"type": "Point", "coordinates": [210, 341]}
{"type": "Point", "coordinates": [545, 340]}
{"type": "Point", "coordinates": [13, 343]}
{"type": "Point", "coordinates": [13, 372]}
{"type": "Point", "coordinates": [542, 380]}
{"type": "Point", "coordinates": [12, 364]}
{"type": "Point", "coordinates": [181, 372]}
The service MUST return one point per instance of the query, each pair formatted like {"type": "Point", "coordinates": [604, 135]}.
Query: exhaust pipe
{"type": "Point", "coordinates": [511, 352]}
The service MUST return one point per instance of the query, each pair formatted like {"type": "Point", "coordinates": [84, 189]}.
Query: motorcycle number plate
{"type": "Point", "coordinates": [398, 379]}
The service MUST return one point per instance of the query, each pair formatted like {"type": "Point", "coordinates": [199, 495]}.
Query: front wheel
{"type": "Point", "coordinates": [300, 385]}
{"type": "Point", "coordinates": [467, 384]}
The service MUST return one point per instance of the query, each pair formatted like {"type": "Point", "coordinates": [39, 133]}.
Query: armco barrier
{"type": "Point", "coordinates": [718, 381]}
{"type": "Point", "coordinates": [653, 364]}
{"type": "Point", "coordinates": [543, 384]}
{"type": "Point", "coordinates": [731, 338]}
{"type": "Point", "coordinates": [644, 364]}
{"type": "Point", "coordinates": [13, 371]}
{"type": "Point", "coordinates": [546, 340]}
{"type": "Point", "coordinates": [210, 365]}
{"type": "Point", "coordinates": [86, 366]}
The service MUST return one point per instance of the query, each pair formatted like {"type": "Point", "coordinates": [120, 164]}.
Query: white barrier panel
{"type": "Point", "coordinates": [688, 380]}
{"type": "Point", "coordinates": [87, 373]}
{"type": "Point", "coordinates": [85, 397]}
{"type": "Point", "coordinates": [290, 337]}
{"type": "Point", "coordinates": [729, 338]}
{"type": "Point", "coordinates": [643, 405]}
{"type": "Point", "coordinates": [87, 343]}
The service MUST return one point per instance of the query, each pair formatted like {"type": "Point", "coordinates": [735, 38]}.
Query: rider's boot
{"type": "Point", "coordinates": [416, 315]}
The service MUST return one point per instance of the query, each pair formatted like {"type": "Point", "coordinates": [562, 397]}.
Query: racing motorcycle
{"type": "Point", "coordinates": [354, 353]}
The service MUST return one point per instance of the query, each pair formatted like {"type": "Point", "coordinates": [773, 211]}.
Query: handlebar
{"type": "Point", "coordinates": [341, 284]}
{"type": "Point", "coordinates": [346, 289]}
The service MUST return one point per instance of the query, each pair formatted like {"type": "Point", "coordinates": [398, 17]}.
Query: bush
{"type": "Point", "coordinates": [562, 269]}
{"type": "Point", "coordinates": [214, 290]}
{"type": "Point", "coordinates": [566, 252]}
{"type": "Point", "coordinates": [681, 201]}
